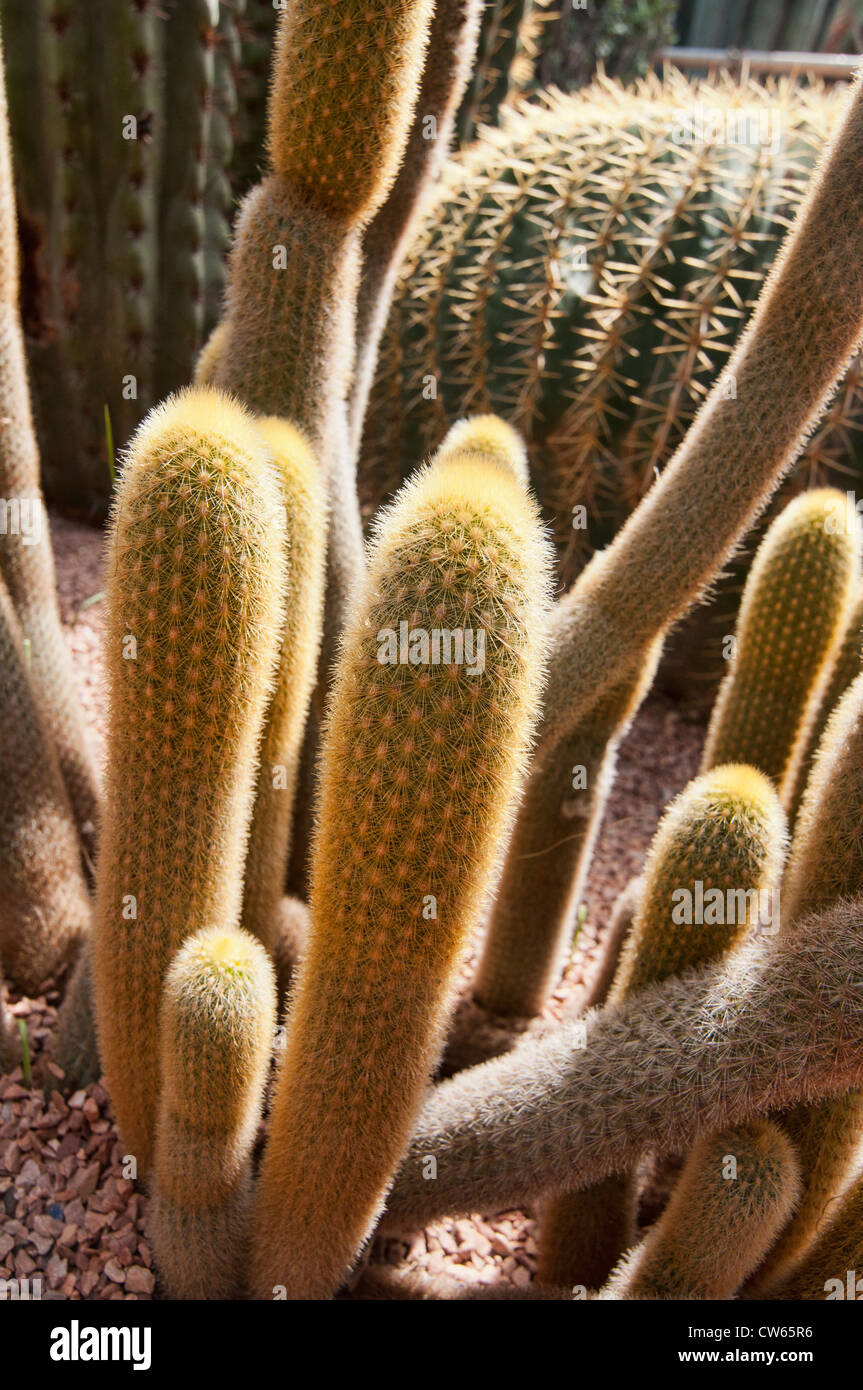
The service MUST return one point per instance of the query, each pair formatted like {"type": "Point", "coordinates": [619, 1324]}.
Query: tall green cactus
{"type": "Point", "coordinates": [798, 601]}
{"type": "Point", "coordinates": [506, 53]}
{"type": "Point", "coordinates": [112, 187]}
{"type": "Point", "coordinates": [736, 1191]}
{"type": "Point", "coordinates": [217, 1023]}
{"type": "Point", "coordinates": [411, 822]}
{"type": "Point", "coordinates": [194, 615]}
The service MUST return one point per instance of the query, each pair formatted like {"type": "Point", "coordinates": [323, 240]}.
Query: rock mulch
{"type": "Point", "coordinates": [71, 1218]}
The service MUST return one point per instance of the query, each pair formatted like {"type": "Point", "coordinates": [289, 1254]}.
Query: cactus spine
{"type": "Point", "coordinates": [722, 839]}
{"type": "Point", "coordinates": [270, 834]}
{"type": "Point", "coordinates": [44, 908]}
{"type": "Point", "coordinates": [215, 1039]}
{"type": "Point", "coordinates": [735, 1193]}
{"type": "Point", "coordinates": [194, 615]}
{"type": "Point", "coordinates": [411, 822]}
{"type": "Point", "coordinates": [551, 1114]}
{"type": "Point", "coordinates": [797, 603]}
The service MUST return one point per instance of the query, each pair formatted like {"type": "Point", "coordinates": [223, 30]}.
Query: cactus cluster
{"type": "Point", "coordinates": [423, 703]}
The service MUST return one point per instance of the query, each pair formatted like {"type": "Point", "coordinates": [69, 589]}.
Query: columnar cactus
{"type": "Point", "coordinates": [712, 869]}
{"type": "Point", "coordinates": [797, 603]}
{"type": "Point", "coordinates": [847, 665]}
{"type": "Point", "coordinates": [736, 1191]}
{"type": "Point", "coordinates": [831, 1267]}
{"type": "Point", "coordinates": [216, 1034]}
{"type": "Point", "coordinates": [553, 1114]}
{"type": "Point", "coordinates": [44, 907]}
{"type": "Point", "coordinates": [26, 562]}
{"type": "Point", "coordinates": [304, 508]}
{"type": "Point", "coordinates": [194, 616]}
{"type": "Point", "coordinates": [411, 822]}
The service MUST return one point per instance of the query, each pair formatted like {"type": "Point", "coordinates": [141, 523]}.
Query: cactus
{"type": "Point", "coordinates": [194, 617]}
{"type": "Point", "coordinates": [506, 54]}
{"type": "Point", "coordinates": [798, 600]}
{"type": "Point", "coordinates": [76, 1047]}
{"type": "Point", "coordinates": [215, 1038]}
{"type": "Point", "coordinates": [734, 1194]}
{"type": "Point", "coordinates": [26, 561]}
{"type": "Point", "coordinates": [549, 856]}
{"type": "Point", "coordinates": [824, 868]}
{"type": "Point", "coordinates": [270, 833]}
{"type": "Point", "coordinates": [118, 226]}
{"type": "Point", "coordinates": [585, 273]}
{"type": "Point", "coordinates": [554, 1114]}
{"type": "Point", "coordinates": [723, 836]}
{"type": "Point", "coordinates": [830, 1268]}
{"type": "Point", "coordinates": [449, 59]}
{"type": "Point", "coordinates": [293, 929]}
{"type": "Point", "coordinates": [427, 814]}
{"type": "Point", "coordinates": [9, 1045]}
{"type": "Point", "coordinates": [847, 665]}
{"type": "Point", "coordinates": [44, 909]}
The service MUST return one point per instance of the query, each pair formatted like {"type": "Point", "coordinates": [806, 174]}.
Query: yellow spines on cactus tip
{"type": "Point", "coordinates": [488, 437]}
{"type": "Point", "coordinates": [796, 605]}
{"type": "Point", "coordinates": [712, 868]}
{"type": "Point", "coordinates": [216, 1035]}
{"type": "Point", "coordinates": [305, 521]}
{"type": "Point", "coordinates": [736, 1191]}
{"type": "Point", "coordinates": [194, 616]}
{"type": "Point", "coordinates": [345, 82]}
{"type": "Point", "coordinates": [433, 706]}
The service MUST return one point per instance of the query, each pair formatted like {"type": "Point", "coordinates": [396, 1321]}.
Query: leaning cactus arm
{"type": "Point", "coordinates": [305, 521]}
{"type": "Point", "coordinates": [778, 1022]}
{"type": "Point", "coordinates": [831, 1267]}
{"type": "Point", "coordinates": [194, 616]}
{"type": "Point", "coordinates": [797, 603]}
{"type": "Point", "coordinates": [806, 326]}
{"type": "Point", "coordinates": [532, 919]}
{"type": "Point", "coordinates": [26, 561]}
{"type": "Point", "coordinates": [216, 1035]}
{"type": "Point", "coordinates": [736, 1191]}
{"type": "Point", "coordinates": [449, 59]}
{"type": "Point", "coordinates": [411, 821]}
{"type": "Point", "coordinates": [44, 905]}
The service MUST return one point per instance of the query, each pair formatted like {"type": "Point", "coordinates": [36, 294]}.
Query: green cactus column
{"type": "Point", "coordinates": [194, 616]}
{"type": "Point", "coordinates": [447, 634]}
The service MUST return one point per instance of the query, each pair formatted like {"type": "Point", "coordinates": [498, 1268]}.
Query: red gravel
{"type": "Point", "coordinates": [69, 1217]}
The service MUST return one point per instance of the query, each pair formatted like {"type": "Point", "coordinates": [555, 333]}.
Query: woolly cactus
{"type": "Point", "coordinates": [194, 616]}
{"type": "Point", "coordinates": [710, 874]}
{"type": "Point", "coordinates": [306, 527]}
{"type": "Point", "coordinates": [798, 600]}
{"type": "Point", "coordinates": [44, 907]}
{"type": "Point", "coordinates": [552, 1114]}
{"type": "Point", "coordinates": [411, 822]}
{"type": "Point", "coordinates": [216, 1034]}
{"type": "Point", "coordinates": [847, 665]}
{"type": "Point", "coordinates": [713, 865]}
{"type": "Point", "coordinates": [736, 1190]}
{"type": "Point", "coordinates": [830, 1268]}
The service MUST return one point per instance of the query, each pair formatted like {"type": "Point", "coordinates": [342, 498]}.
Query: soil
{"type": "Point", "coordinates": [68, 1215]}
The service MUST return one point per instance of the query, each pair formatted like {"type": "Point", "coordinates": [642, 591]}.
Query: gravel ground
{"type": "Point", "coordinates": [71, 1218]}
